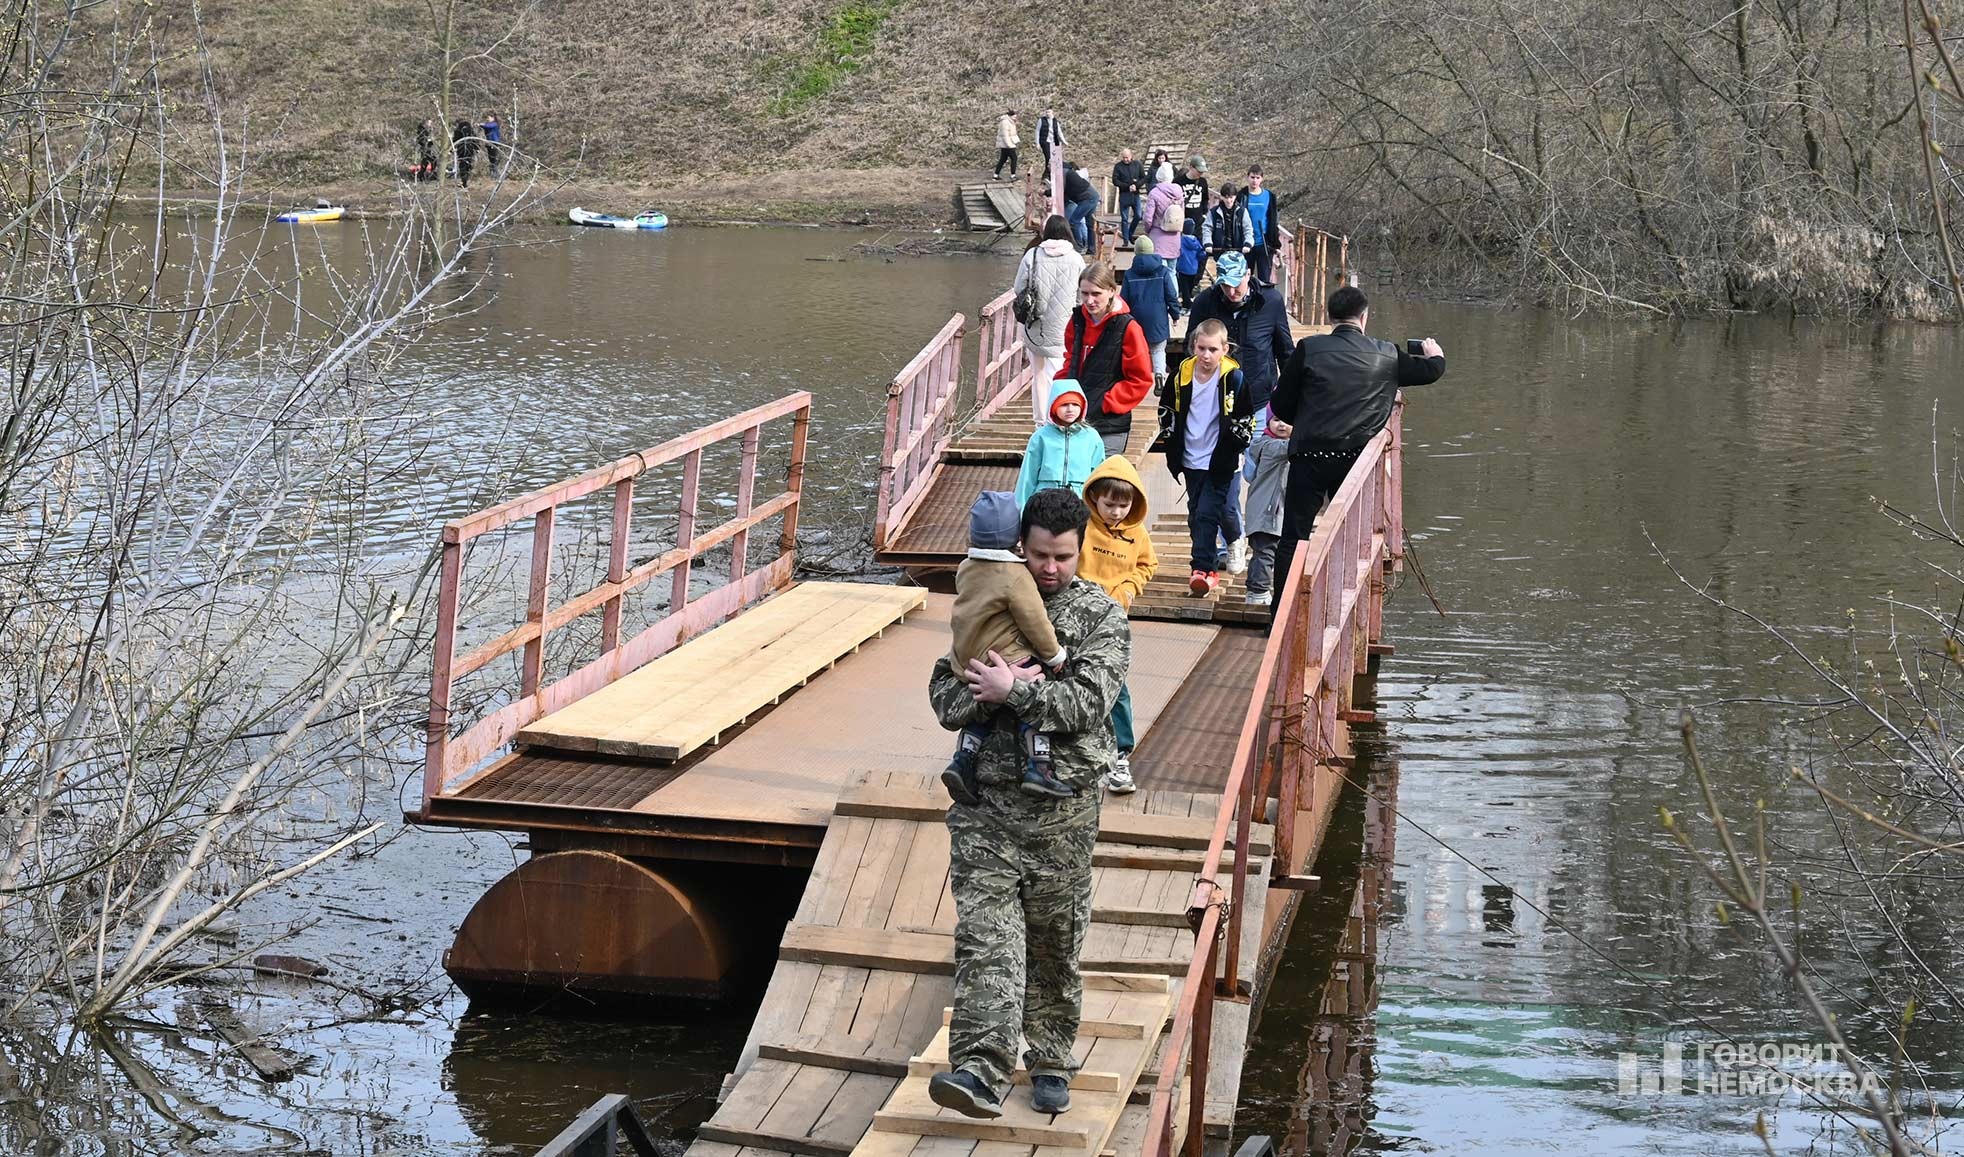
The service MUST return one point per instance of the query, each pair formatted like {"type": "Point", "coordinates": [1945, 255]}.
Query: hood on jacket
{"type": "Point", "coordinates": [1063, 389]}
{"type": "Point", "coordinates": [994, 521]}
{"type": "Point", "coordinates": [1058, 246]}
{"type": "Point", "coordinates": [1146, 265]}
{"type": "Point", "coordinates": [1120, 468]}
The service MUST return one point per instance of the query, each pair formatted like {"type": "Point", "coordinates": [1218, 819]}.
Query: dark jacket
{"type": "Point", "coordinates": [1338, 387]}
{"type": "Point", "coordinates": [1050, 131]}
{"type": "Point", "coordinates": [1226, 229]}
{"type": "Point", "coordinates": [1194, 186]}
{"type": "Point", "coordinates": [1260, 333]}
{"type": "Point", "coordinates": [1129, 177]}
{"type": "Point", "coordinates": [1077, 188]}
{"type": "Point", "coordinates": [1237, 418]}
{"type": "Point", "coordinates": [1153, 296]}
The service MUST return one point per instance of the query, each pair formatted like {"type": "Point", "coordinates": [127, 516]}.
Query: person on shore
{"type": "Point", "coordinates": [1020, 865]}
{"type": "Point", "coordinates": [1265, 469]}
{"type": "Point", "coordinates": [1166, 217]}
{"type": "Point", "coordinates": [1050, 135]}
{"type": "Point", "coordinates": [998, 613]}
{"type": "Point", "coordinates": [1212, 424]}
{"type": "Point", "coordinates": [1264, 227]}
{"type": "Point", "coordinates": [1119, 557]}
{"type": "Point", "coordinates": [425, 151]}
{"type": "Point", "coordinates": [1007, 143]}
{"type": "Point", "coordinates": [1226, 229]}
{"type": "Point", "coordinates": [1049, 270]}
{"type": "Point", "coordinates": [494, 147]}
{"type": "Point", "coordinates": [1192, 259]}
{"type": "Point", "coordinates": [1153, 296]}
{"type": "Point", "coordinates": [1064, 450]}
{"type": "Point", "coordinates": [463, 141]}
{"type": "Point", "coordinates": [1337, 392]}
{"type": "Point", "coordinates": [1080, 204]}
{"type": "Point", "coordinates": [1162, 167]}
{"type": "Point", "coordinates": [1193, 183]}
{"type": "Point", "coordinates": [1129, 178]}
{"type": "Point", "coordinates": [1106, 352]}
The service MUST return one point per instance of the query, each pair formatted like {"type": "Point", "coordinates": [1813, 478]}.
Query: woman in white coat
{"type": "Point", "coordinates": [1053, 264]}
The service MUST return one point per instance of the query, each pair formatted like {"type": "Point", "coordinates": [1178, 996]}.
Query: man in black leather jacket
{"type": "Point", "coordinates": [1333, 397]}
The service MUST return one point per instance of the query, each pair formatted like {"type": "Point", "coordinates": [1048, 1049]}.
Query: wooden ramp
{"type": "Point", "coordinates": [994, 206]}
{"type": "Point", "coordinates": [853, 1021]}
{"type": "Point", "coordinates": [691, 695]}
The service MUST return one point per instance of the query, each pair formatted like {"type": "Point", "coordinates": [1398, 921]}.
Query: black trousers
{"type": "Point", "coordinates": [1313, 479]}
{"type": "Point", "coordinates": [1006, 156]}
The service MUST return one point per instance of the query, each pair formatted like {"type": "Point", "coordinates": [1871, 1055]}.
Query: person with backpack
{"type": "Point", "coordinates": [1227, 227]}
{"type": "Point", "coordinates": [1044, 293]}
{"type": "Point", "coordinates": [1154, 298]}
{"type": "Point", "coordinates": [1106, 351]}
{"type": "Point", "coordinates": [1166, 217]}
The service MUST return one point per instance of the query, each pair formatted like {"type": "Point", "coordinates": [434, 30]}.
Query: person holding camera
{"type": "Point", "coordinates": [1335, 394]}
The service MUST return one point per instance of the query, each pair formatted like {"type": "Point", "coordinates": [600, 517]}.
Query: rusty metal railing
{"type": "Point", "coordinates": [920, 410]}
{"type": "Point", "coordinates": [687, 614]}
{"type": "Point", "coordinates": [1329, 609]}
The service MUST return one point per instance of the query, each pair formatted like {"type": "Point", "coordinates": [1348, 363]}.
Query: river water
{"type": "Point", "coordinates": [1501, 917]}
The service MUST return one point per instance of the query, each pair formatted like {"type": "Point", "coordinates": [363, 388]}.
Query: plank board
{"type": "Point", "coordinates": [934, 954]}
{"type": "Point", "coordinates": [711, 683]}
{"type": "Point", "coordinates": [1114, 826]}
{"type": "Point", "coordinates": [790, 766]}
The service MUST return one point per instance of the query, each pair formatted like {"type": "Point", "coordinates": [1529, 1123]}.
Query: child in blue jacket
{"type": "Point", "coordinates": [1064, 452]}
{"type": "Point", "coordinates": [1193, 258]}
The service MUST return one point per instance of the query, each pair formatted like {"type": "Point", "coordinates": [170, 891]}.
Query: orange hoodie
{"type": "Point", "coordinates": [1119, 558]}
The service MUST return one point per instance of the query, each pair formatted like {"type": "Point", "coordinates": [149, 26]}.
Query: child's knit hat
{"type": "Point", "coordinates": [1066, 390]}
{"type": "Point", "coordinates": [995, 522]}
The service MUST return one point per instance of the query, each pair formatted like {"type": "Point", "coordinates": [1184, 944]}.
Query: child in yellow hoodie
{"type": "Point", "coordinates": [1118, 556]}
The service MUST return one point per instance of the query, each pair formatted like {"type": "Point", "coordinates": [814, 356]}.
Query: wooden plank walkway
{"type": "Point", "coordinates": [686, 698]}
{"type": "Point", "coordinates": [852, 1022]}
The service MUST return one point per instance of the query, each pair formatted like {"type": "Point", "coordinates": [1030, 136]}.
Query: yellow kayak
{"type": "Point", "coordinates": [313, 216]}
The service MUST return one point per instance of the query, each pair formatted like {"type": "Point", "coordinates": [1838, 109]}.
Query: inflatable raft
{"type": "Point", "coordinates": [649, 220]}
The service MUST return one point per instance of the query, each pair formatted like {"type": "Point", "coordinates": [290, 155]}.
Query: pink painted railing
{"type": "Point", "coordinates": [920, 411]}
{"type": "Point", "coordinates": [1001, 369]}
{"type": "Point", "coordinates": [1330, 607]}
{"type": "Point", "coordinates": [445, 756]}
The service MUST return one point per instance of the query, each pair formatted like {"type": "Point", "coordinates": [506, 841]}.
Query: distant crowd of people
{"type": "Point", "coordinates": [465, 142]}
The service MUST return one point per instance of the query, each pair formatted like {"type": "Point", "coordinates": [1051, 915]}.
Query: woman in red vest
{"type": "Point", "coordinates": [1107, 352]}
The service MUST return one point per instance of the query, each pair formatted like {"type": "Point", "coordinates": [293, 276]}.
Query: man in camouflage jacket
{"type": "Point", "coordinates": [1021, 865]}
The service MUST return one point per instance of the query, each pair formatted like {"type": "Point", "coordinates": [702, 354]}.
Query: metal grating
{"type": "Point", "coordinates": [571, 781]}
{"type": "Point", "coordinates": [939, 525]}
{"type": "Point", "coordinates": [1192, 742]}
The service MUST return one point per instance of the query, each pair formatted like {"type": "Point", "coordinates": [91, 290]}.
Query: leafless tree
{"type": "Point", "coordinates": [194, 635]}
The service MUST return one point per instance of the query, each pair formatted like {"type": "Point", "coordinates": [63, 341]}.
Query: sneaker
{"type": "Point", "coordinates": [965, 1093]}
{"type": "Point", "coordinates": [1260, 598]}
{"type": "Point", "coordinates": [959, 776]}
{"type": "Point", "coordinates": [1050, 1094]}
{"type": "Point", "coordinates": [1040, 776]}
{"type": "Point", "coordinates": [1118, 780]}
{"type": "Point", "coordinates": [1197, 585]}
{"type": "Point", "coordinates": [1237, 559]}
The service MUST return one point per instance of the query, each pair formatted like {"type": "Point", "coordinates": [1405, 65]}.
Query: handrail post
{"type": "Point", "coordinates": [746, 498]}
{"type": "Point", "coordinates": [437, 754]}
{"type": "Point", "coordinates": [533, 666]}
{"type": "Point", "coordinates": [794, 482]}
{"type": "Point", "coordinates": [685, 529]}
{"type": "Point", "coordinates": [610, 615]}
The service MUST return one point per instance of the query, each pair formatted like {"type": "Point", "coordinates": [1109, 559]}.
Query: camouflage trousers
{"type": "Point", "coordinates": [1021, 876]}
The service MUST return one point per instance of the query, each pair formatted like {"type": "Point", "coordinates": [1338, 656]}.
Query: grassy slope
{"type": "Point", "coordinates": [683, 98]}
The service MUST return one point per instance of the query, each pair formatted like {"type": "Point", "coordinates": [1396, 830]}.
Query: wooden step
{"type": "Point", "coordinates": [1114, 826]}
{"type": "Point", "coordinates": [926, 953]}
